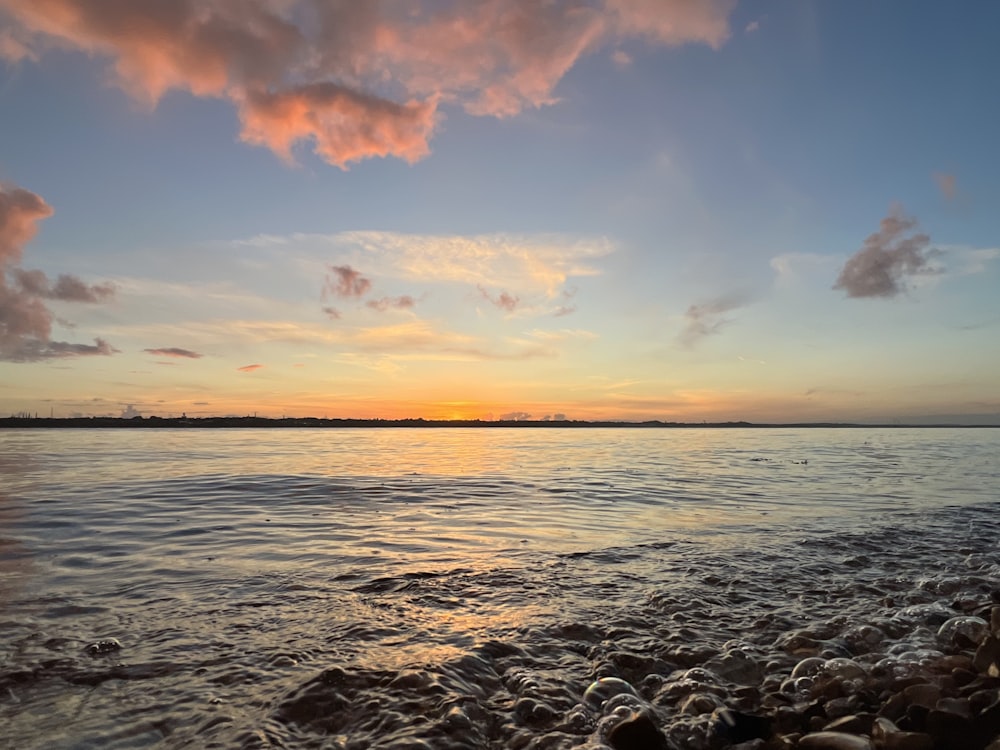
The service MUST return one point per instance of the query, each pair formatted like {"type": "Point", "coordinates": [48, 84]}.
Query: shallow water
{"type": "Point", "coordinates": [461, 588]}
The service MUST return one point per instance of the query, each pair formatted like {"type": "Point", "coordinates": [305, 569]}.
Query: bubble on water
{"type": "Point", "coordinates": [808, 667]}
{"type": "Point", "coordinates": [519, 680]}
{"type": "Point", "coordinates": [629, 701]}
{"type": "Point", "coordinates": [578, 720]}
{"type": "Point", "coordinates": [797, 688]}
{"type": "Point", "coordinates": [933, 615]}
{"type": "Point", "coordinates": [699, 674]}
{"type": "Point", "coordinates": [844, 669]}
{"type": "Point", "coordinates": [893, 669]}
{"type": "Point", "coordinates": [604, 688]}
{"type": "Point", "coordinates": [533, 711]}
{"type": "Point", "coordinates": [863, 638]}
{"type": "Point", "coordinates": [963, 632]}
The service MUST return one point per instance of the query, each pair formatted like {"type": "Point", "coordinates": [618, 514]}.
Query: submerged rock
{"type": "Point", "coordinates": [103, 646]}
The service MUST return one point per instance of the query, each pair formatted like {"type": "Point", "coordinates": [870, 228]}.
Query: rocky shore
{"type": "Point", "coordinates": [926, 678]}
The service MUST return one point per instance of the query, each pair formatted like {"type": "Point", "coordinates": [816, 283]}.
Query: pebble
{"type": "Point", "coordinates": [835, 741]}
{"type": "Point", "coordinates": [639, 732]}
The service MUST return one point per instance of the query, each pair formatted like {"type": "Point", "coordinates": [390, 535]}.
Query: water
{"type": "Point", "coordinates": [463, 588]}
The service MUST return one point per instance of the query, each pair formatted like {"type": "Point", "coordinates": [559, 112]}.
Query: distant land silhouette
{"type": "Point", "coordinates": [139, 422]}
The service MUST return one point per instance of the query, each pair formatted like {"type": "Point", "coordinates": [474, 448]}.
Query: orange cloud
{"type": "Point", "coordinates": [343, 125]}
{"type": "Point", "coordinates": [249, 368]}
{"type": "Point", "coordinates": [317, 72]}
{"type": "Point", "coordinates": [20, 211]}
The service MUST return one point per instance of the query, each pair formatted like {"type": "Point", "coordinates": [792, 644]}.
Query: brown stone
{"type": "Point", "coordinates": [834, 741]}
{"type": "Point", "coordinates": [981, 699]}
{"type": "Point", "coordinates": [894, 707]}
{"type": "Point", "coordinates": [908, 741]}
{"type": "Point", "coordinates": [963, 676]}
{"type": "Point", "coordinates": [925, 694]}
{"type": "Point", "coordinates": [853, 724]}
{"type": "Point", "coordinates": [987, 655]}
{"type": "Point", "coordinates": [881, 728]}
{"type": "Point", "coordinates": [637, 733]}
{"type": "Point", "coordinates": [958, 706]}
{"type": "Point", "coordinates": [951, 731]}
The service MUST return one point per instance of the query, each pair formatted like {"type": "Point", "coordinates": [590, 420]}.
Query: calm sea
{"type": "Point", "coordinates": [452, 588]}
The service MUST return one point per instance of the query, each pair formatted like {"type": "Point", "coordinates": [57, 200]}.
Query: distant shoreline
{"type": "Point", "coordinates": [316, 422]}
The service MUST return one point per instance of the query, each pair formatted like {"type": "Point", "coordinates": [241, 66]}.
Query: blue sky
{"type": "Point", "coordinates": [618, 209]}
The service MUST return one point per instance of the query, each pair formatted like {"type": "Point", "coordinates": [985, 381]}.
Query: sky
{"type": "Point", "coordinates": [683, 210]}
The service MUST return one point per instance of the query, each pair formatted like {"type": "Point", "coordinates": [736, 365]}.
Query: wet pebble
{"type": "Point", "coordinates": [834, 741]}
{"type": "Point", "coordinates": [637, 732]}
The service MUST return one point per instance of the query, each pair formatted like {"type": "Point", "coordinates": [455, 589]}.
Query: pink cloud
{"type": "Point", "coordinates": [249, 368]}
{"type": "Point", "coordinates": [405, 302]}
{"type": "Point", "coordinates": [675, 22]}
{"type": "Point", "coordinates": [318, 72]}
{"type": "Point", "coordinates": [888, 257]}
{"type": "Point", "coordinates": [946, 184]}
{"type": "Point", "coordinates": [25, 320]}
{"type": "Point", "coordinates": [173, 351]}
{"type": "Point", "coordinates": [343, 125]}
{"type": "Point", "coordinates": [346, 282]}
{"type": "Point", "coordinates": [503, 300]}
{"type": "Point", "coordinates": [20, 211]}
{"type": "Point", "coordinates": [67, 288]}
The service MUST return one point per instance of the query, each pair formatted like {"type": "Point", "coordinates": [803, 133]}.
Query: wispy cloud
{"type": "Point", "coordinates": [563, 334]}
{"type": "Point", "coordinates": [66, 288]}
{"type": "Point", "coordinates": [502, 300]}
{"type": "Point", "coordinates": [173, 351]}
{"type": "Point", "coordinates": [709, 318]}
{"type": "Point", "coordinates": [621, 58]}
{"type": "Point", "coordinates": [405, 302]}
{"type": "Point", "coordinates": [946, 183]}
{"type": "Point", "coordinates": [249, 368]}
{"type": "Point", "coordinates": [535, 264]}
{"type": "Point", "coordinates": [344, 281]}
{"type": "Point", "coordinates": [25, 320]}
{"type": "Point", "coordinates": [888, 259]}
{"type": "Point", "coordinates": [790, 268]}
{"type": "Point", "coordinates": [315, 72]}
